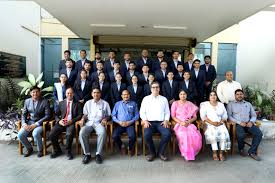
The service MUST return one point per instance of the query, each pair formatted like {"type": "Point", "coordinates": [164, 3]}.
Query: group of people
{"type": "Point", "coordinates": [152, 91]}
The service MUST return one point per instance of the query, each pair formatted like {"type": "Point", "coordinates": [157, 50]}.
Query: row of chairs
{"type": "Point", "coordinates": [48, 125]}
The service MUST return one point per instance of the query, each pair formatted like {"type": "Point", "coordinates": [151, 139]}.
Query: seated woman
{"type": "Point", "coordinates": [184, 113]}
{"type": "Point", "coordinates": [59, 90]}
{"type": "Point", "coordinates": [214, 115]}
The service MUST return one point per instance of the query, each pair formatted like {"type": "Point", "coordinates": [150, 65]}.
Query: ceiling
{"type": "Point", "coordinates": [202, 18]}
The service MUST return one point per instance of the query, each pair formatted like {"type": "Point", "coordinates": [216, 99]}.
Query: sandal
{"type": "Point", "coordinates": [215, 157]}
{"type": "Point", "coordinates": [222, 158]}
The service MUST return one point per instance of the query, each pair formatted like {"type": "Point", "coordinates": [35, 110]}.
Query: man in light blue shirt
{"type": "Point", "coordinates": [125, 113]}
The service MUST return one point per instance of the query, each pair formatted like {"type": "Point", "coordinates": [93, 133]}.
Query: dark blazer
{"type": "Point", "coordinates": [141, 79]}
{"type": "Point", "coordinates": [139, 63]}
{"type": "Point", "coordinates": [129, 78]}
{"type": "Point", "coordinates": [94, 77]}
{"type": "Point", "coordinates": [105, 92]}
{"type": "Point", "coordinates": [190, 90]}
{"type": "Point", "coordinates": [78, 65]}
{"type": "Point", "coordinates": [115, 93]}
{"type": "Point", "coordinates": [155, 65]}
{"type": "Point", "coordinates": [168, 92]}
{"type": "Point", "coordinates": [108, 66]}
{"type": "Point", "coordinates": [159, 76]}
{"type": "Point", "coordinates": [94, 65]}
{"type": "Point", "coordinates": [199, 82]}
{"type": "Point", "coordinates": [177, 77]}
{"type": "Point", "coordinates": [62, 65]}
{"type": "Point", "coordinates": [210, 74]}
{"type": "Point", "coordinates": [62, 109]}
{"type": "Point", "coordinates": [123, 67]}
{"type": "Point", "coordinates": [84, 94]}
{"type": "Point", "coordinates": [138, 96]}
{"type": "Point", "coordinates": [72, 78]}
{"type": "Point", "coordinates": [186, 67]}
{"type": "Point", "coordinates": [39, 114]}
{"type": "Point", "coordinates": [146, 90]}
{"type": "Point", "coordinates": [172, 66]}
{"type": "Point", "coordinates": [111, 76]}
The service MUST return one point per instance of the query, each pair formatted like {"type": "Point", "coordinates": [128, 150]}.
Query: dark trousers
{"type": "Point", "coordinates": [56, 131]}
{"type": "Point", "coordinates": [208, 90]}
{"type": "Point", "coordinates": [257, 137]}
{"type": "Point", "coordinates": [130, 130]}
{"type": "Point", "coordinates": [165, 137]}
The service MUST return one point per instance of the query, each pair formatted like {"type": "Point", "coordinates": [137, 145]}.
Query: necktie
{"type": "Point", "coordinates": [67, 112]}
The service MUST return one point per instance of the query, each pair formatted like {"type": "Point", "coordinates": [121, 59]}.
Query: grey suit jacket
{"type": "Point", "coordinates": [39, 114]}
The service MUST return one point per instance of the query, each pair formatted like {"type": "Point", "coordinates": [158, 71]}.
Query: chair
{"type": "Point", "coordinates": [247, 140]}
{"type": "Point", "coordinates": [124, 136]}
{"type": "Point", "coordinates": [44, 140]}
{"type": "Point", "coordinates": [156, 136]}
{"type": "Point", "coordinates": [174, 138]}
{"type": "Point", "coordinates": [93, 136]}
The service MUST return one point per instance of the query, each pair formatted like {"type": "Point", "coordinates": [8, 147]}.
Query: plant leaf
{"type": "Point", "coordinates": [24, 89]}
{"type": "Point", "coordinates": [31, 79]}
{"type": "Point", "coordinates": [39, 78]}
{"type": "Point", "coordinates": [47, 94]}
{"type": "Point", "coordinates": [47, 89]}
{"type": "Point", "coordinates": [24, 84]}
{"type": "Point", "coordinates": [27, 91]}
{"type": "Point", "coordinates": [40, 84]}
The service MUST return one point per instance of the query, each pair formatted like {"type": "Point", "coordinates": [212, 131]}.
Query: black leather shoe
{"type": "Point", "coordinates": [70, 156]}
{"type": "Point", "coordinates": [163, 158]}
{"type": "Point", "coordinates": [55, 154]}
{"type": "Point", "coordinates": [39, 154]}
{"type": "Point", "coordinates": [150, 157]}
{"type": "Point", "coordinates": [242, 153]}
{"type": "Point", "coordinates": [28, 153]}
{"type": "Point", "coordinates": [98, 159]}
{"type": "Point", "coordinates": [255, 157]}
{"type": "Point", "coordinates": [86, 159]}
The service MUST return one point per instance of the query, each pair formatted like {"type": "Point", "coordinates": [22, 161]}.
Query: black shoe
{"type": "Point", "coordinates": [70, 156]}
{"type": "Point", "coordinates": [39, 154]}
{"type": "Point", "coordinates": [255, 157]}
{"type": "Point", "coordinates": [150, 157]}
{"type": "Point", "coordinates": [55, 154]}
{"type": "Point", "coordinates": [163, 158]}
{"type": "Point", "coordinates": [86, 159]}
{"type": "Point", "coordinates": [29, 152]}
{"type": "Point", "coordinates": [242, 153]}
{"type": "Point", "coordinates": [98, 159]}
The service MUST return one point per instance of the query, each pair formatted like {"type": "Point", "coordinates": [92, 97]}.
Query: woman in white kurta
{"type": "Point", "coordinates": [214, 114]}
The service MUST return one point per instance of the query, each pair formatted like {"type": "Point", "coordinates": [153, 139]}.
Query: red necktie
{"type": "Point", "coordinates": [67, 112]}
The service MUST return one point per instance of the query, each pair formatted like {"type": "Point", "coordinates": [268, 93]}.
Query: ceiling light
{"type": "Point", "coordinates": [107, 25]}
{"type": "Point", "coordinates": [169, 27]}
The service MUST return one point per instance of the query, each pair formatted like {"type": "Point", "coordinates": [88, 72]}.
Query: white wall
{"type": "Point", "coordinates": [17, 40]}
{"type": "Point", "coordinates": [256, 50]}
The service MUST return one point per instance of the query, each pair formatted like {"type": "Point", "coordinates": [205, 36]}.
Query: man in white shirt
{"type": "Point", "coordinates": [155, 115]}
{"type": "Point", "coordinates": [226, 89]}
{"type": "Point", "coordinates": [96, 114]}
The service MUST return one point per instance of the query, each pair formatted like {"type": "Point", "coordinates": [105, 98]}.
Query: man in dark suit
{"type": "Point", "coordinates": [170, 88]}
{"type": "Point", "coordinates": [132, 71]}
{"type": "Point", "coordinates": [144, 59]}
{"type": "Point", "coordinates": [79, 65]}
{"type": "Point", "coordinates": [82, 88]}
{"type": "Point", "coordinates": [174, 64]}
{"type": "Point", "coordinates": [88, 69]}
{"type": "Point", "coordinates": [112, 73]}
{"type": "Point", "coordinates": [103, 86]}
{"type": "Point", "coordinates": [97, 59]}
{"type": "Point", "coordinates": [116, 89]}
{"type": "Point", "coordinates": [70, 72]}
{"type": "Point", "coordinates": [143, 76]}
{"type": "Point", "coordinates": [157, 61]}
{"type": "Point", "coordinates": [179, 74]}
{"type": "Point", "coordinates": [36, 110]}
{"type": "Point", "coordinates": [188, 86]}
{"type": "Point", "coordinates": [210, 71]}
{"type": "Point", "coordinates": [109, 64]}
{"type": "Point", "coordinates": [136, 91]}
{"type": "Point", "coordinates": [68, 112]}
{"type": "Point", "coordinates": [198, 77]}
{"type": "Point", "coordinates": [161, 74]}
{"type": "Point", "coordinates": [188, 65]}
{"type": "Point", "coordinates": [124, 67]}
{"type": "Point", "coordinates": [62, 63]}
{"type": "Point", "coordinates": [100, 68]}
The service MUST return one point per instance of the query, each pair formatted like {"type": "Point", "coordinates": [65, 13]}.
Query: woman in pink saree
{"type": "Point", "coordinates": [184, 113]}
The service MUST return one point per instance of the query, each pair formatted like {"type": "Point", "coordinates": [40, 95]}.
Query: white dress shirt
{"type": "Point", "coordinates": [196, 72]}
{"type": "Point", "coordinates": [154, 108]}
{"type": "Point", "coordinates": [186, 83]}
{"type": "Point", "coordinates": [68, 72]}
{"type": "Point", "coordinates": [96, 111]}
{"type": "Point", "coordinates": [82, 84]}
{"type": "Point", "coordinates": [135, 88]}
{"type": "Point", "coordinates": [226, 90]}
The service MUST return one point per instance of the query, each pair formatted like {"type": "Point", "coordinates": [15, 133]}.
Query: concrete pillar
{"type": "Point", "coordinates": [92, 48]}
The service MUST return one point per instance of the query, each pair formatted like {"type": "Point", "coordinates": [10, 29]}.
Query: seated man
{"type": "Point", "coordinates": [97, 112]}
{"type": "Point", "coordinates": [67, 113]}
{"type": "Point", "coordinates": [155, 114]}
{"type": "Point", "coordinates": [125, 113]}
{"type": "Point", "coordinates": [242, 113]}
{"type": "Point", "coordinates": [38, 110]}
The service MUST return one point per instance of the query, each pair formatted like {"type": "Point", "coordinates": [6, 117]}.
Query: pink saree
{"type": "Point", "coordinates": [189, 138]}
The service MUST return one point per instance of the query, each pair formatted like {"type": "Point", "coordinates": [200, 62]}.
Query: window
{"type": "Point", "coordinates": [77, 44]}
{"type": "Point", "coordinates": [201, 50]}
